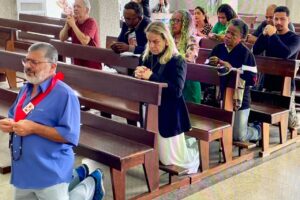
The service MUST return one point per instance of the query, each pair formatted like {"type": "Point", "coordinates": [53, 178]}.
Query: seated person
{"type": "Point", "coordinates": [233, 54]}
{"type": "Point", "coordinates": [278, 41]}
{"type": "Point", "coordinates": [161, 62]}
{"type": "Point", "coordinates": [225, 13]}
{"type": "Point", "coordinates": [161, 7]}
{"type": "Point", "coordinates": [83, 30]}
{"type": "Point", "coordinates": [181, 28]}
{"type": "Point", "coordinates": [202, 25]}
{"type": "Point", "coordinates": [132, 37]}
{"type": "Point", "coordinates": [251, 38]}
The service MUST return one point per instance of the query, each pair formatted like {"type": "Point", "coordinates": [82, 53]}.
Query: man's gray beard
{"type": "Point", "coordinates": [32, 80]}
{"type": "Point", "coordinates": [37, 79]}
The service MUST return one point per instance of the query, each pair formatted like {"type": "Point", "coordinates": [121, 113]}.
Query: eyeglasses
{"type": "Point", "coordinates": [175, 21]}
{"type": "Point", "coordinates": [32, 62]}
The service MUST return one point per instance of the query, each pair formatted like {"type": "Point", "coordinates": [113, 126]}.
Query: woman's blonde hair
{"type": "Point", "coordinates": [159, 28]}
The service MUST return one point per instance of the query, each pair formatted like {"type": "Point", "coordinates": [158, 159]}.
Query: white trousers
{"type": "Point", "coordinates": [179, 151]}
{"type": "Point", "coordinates": [83, 191]}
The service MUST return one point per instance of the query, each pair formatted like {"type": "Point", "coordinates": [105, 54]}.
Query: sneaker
{"type": "Point", "coordinates": [82, 171]}
{"type": "Point", "coordinates": [99, 187]}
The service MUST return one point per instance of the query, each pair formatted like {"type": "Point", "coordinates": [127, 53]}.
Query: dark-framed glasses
{"type": "Point", "coordinates": [175, 21]}
{"type": "Point", "coordinates": [33, 62]}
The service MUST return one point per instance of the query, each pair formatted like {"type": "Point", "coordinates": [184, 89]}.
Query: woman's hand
{"type": "Point", "coordinates": [142, 72]}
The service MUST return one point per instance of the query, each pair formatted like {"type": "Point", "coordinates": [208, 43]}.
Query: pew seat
{"type": "Point", "coordinates": [103, 144]}
{"type": "Point", "coordinates": [207, 125]}
{"type": "Point", "coordinates": [267, 113]}
{"type": "Point", "coordinates": [270, 108]}
{"type": "Point", "coordinates": [109, 104]}
{"type": "Point", "coordinates": [119, 146]}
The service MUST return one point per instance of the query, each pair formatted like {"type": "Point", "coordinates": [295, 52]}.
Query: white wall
{"type": "Point", "coordinates": [257, 6]}
{"type": "Point", "coordinates": [8, 9]}
{"type": "Point", "coordinates": [293, 5]}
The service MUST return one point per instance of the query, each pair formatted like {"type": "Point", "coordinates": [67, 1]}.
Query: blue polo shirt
{"type": "Point", "coordinates": [44, 163]}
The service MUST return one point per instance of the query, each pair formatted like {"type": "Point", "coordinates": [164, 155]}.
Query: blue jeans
{"type": "Point", "coordinates": [241, 130]}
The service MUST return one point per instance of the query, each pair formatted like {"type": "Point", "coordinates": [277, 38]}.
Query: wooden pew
{"type": "Point", "coordinates": [100, 136]}
{"type": "Point", "coordinates": [272, 108]}
{"type": "Point", "coordinates": [42, 19]}
{"type": "Point", "coordinates": [105, 103]}
{"type": "Point", "coordinates": [22, 35]}
{"type": "Point", "coordinates": [249, 19]}
{"type": "Point", "coordinates": [207, 43]}
{"type": "Point", "coordinates": [265, 109]}
{"type": "Point", "coordinates": [7, 38]}
{"type": "Point", "coordinates": [31, 31]}
{"type": "Point", "coordinates": [296, 25]}
{"type": "Point", "coordinates": [110, 40]}
{"type": "Point", "coordinates": [105, 56]}
{"type": "Point", "coordinates": [210, 123]}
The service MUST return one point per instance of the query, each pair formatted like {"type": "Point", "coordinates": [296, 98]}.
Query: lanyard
{"type": "Point", "coordinates": [21, 113]}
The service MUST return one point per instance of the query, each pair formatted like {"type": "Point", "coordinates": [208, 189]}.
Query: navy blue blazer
{"type": "Point", "coordinates": [173, 117]}
{"type": "Point", "coordinates": [140, 35]}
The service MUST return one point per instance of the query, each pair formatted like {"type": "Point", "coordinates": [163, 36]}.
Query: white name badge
{"type": "Point", "coordinates": [29, 107]}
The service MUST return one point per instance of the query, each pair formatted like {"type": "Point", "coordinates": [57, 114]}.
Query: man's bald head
{"type": "Point", "coordinates": [270, 13]}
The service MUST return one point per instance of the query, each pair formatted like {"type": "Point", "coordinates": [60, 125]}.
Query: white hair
{"type": "Point", "coordinates": [87, 4]}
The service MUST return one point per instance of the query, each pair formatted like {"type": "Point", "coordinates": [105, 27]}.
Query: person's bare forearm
{"type": "Point", "coordinates": [63, 35]}
{"type": "Point", "coordinates": [84, 39]}
{"type": "Point", "coordinates": [47, 132]}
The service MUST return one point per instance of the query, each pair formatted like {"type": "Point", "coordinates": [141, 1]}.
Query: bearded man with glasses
{"type": "Point", "coordinates": [44, 126]}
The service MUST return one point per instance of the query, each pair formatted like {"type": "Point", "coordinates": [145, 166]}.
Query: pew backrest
{"type": "Point", "coordinates": [106, 56]}
{"type": "Point", "coordinates": [42, 19]}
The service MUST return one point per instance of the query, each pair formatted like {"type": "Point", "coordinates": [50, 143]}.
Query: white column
{"type": "Point", "coordinates": [8, 9]}
{"type": "Point", "coordinates": [108, 18]}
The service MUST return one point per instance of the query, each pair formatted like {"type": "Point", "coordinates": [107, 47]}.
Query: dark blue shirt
{"type": "Point", "coordinates": [284, 46]}
{"type": "Point", "coordinates": [140, 34]}
{"type": "Point", "coordinates": [262, 26]}
{"type": "Point", "coordinates": [173, 117]}
{"type": "Point", "coordinates": [239, 57]}
{"type": "Point", "coordinates": [43, 162]}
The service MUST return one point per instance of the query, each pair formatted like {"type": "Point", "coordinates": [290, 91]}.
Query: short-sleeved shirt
{"type": "Point", "coordinates": [89, 28]}
{"type": "Point", "coordinates": [239, 57]}
{"type": "Point", "coordinates": [219, 28]}
{"type": "Point", "coordinates": [44, 163]}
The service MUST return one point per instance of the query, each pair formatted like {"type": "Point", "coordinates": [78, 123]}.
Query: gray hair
{"type": "Point", "coordinates": [241, 25]}
{"type": "Point", "coordinates": [51, 53]}
{"type": "Point", "coordinates": [87, 4]}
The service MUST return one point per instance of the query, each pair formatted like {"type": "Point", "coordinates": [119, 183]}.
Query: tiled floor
{"type": "Point", "coordinates": [277, 179]}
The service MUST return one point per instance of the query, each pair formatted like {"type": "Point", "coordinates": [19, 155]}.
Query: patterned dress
{"type": "Point", "coordinates": [203, 31]}
{"type": "Point", "coordinates": [192, 89]}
